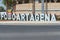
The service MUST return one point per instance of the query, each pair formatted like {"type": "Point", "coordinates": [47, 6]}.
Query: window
{"type": "Point", "coordinates": [49, 1]}
{"type": "Point", "coordinates": [39, 1]}
{"type": "Point", "coordinates": [46, 0]}
{"type": "Point", "coordinates": [52, 1]}
{"type": "Point", "coordinates": [20, 2]}
{"type": "Point", "coordinates": [58, 0]}
{"type": "Point", "coordinates": [26, 1]}
{"type": "Point", "coordinates": [23, 1]}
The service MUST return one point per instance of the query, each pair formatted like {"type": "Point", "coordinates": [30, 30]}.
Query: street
{"type": "Point", "coordinates": [28, 32]}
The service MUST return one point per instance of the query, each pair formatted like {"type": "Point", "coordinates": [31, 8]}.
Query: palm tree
{"type": "Point", "coordinates": [7, 3]}
{"type": "Point", "coordinates": [4, 2]}
{"type": "Point", "coordinates": [11, 3]}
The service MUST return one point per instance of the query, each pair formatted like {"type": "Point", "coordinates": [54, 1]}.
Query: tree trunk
{"type": "Point", "coordinates": [33, 7]}
{"type": "Point", "coordinates": [6, 5]}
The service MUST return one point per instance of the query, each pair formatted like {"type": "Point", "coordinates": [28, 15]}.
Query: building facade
{"type": "Point", "coordinates": [37, 6]}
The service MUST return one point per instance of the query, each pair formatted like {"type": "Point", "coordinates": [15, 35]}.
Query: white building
{"type": "Point", "coordinates": [37, 6]}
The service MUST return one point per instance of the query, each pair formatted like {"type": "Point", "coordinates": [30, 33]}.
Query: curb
{"type": "Point", "coordinates": [29, 23]}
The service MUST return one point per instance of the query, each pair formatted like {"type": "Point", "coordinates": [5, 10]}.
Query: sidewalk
{"type": "Point", "coordinates": [29, 23]}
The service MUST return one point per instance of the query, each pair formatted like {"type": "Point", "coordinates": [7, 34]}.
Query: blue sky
{"type": "Point", "coordinates": [1, 4]}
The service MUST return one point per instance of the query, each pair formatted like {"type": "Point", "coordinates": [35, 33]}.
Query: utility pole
{"type": "Point", "coordinates": [46, 7]}
{"type": "Point", "coordinates": [42, 6]}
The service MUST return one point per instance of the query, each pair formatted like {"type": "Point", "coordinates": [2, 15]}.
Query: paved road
{"type": "Point", "coordinates": [25, 32]}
